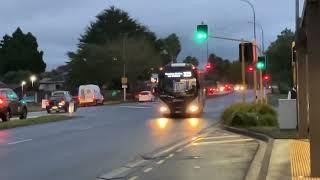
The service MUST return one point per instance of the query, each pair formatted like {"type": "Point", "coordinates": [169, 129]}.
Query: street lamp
{"type": "Point", "coordinates": [262, 35]}
{"type": "Point", "coordinates": [32, 79]}
{"type": "Point", "coordinates": [23, 83]}
{"type": "Point", "coordinates": [254, 16]}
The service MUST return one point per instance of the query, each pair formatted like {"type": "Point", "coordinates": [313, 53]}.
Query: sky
{"type": "Point", "coordinates": [58, 24]}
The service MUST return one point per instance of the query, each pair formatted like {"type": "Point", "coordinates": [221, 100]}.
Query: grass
{"type": "Point", "coordinates": [33, 121]}
{"type": "Point", "coordinates": [276, 133]}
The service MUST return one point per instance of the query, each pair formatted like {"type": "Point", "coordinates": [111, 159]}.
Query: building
{"type": "Point", "coordinates": [48, 85]}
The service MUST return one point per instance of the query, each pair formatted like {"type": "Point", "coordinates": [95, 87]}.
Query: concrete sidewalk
{"type": "Point", "coordinates": [290, 159]}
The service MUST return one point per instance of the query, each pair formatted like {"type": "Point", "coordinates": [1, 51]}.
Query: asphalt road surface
{"type": "Point", "coordinates": [98, 140]}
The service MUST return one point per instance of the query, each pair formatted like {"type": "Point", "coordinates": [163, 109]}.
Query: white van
{"type": "Point", "coordinates": [90, 95]}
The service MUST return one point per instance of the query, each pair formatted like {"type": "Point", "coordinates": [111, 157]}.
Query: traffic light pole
{"type": "Point", "coordinates": [261, 87]}
{"type": "Point", "coordinates": [243, 68]}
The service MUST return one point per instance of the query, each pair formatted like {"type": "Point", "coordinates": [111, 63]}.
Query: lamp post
{"type": "Point", "coordinates": [32, 79]}
{"type": "Point", "coordinates": [23, 83]}
{"type": "Point", "coordinates": [255, 48]}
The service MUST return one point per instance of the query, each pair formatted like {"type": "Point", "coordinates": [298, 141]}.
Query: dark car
{"type": "Point", "coordinates": [11, 106]}
{"type": "Point", "coordinates": [60, 101]}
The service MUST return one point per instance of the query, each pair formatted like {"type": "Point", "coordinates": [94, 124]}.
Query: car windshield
{"type": "Point", "coordinates": [58, 94]}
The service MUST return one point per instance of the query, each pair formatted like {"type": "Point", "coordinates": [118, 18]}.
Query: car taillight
{"type": "Point", "coordinates": [61, 103]}
{"type": "Point", "coordinates": [1, 102]}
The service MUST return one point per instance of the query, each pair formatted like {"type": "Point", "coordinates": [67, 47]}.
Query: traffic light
{"type": "Point", "coordinates": [261, 64]}
{"type": "Point", "coordinates": [250, 69]}
{"type": "Point", "coordinates": [202, 32]}
{"type": "Point", "coordinates": [208, 67]}
{"type": "Point", "coordinates": [266, 77]}
{"type": "Point", "coordinates": [248, 52]}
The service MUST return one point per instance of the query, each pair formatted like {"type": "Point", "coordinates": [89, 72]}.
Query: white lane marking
{"type": "Point", "coordinates": [221, 142]}
{"type": "Point", "coordinates": [21, 141]}
{"type": "Point", "coordinates": [136, 107]}
{"type": "Point", "coordinates": [221, 137]}
{"type": "Point", "coordinates": [86, 128]}
{"type": "Point", "coordinates": [136, 163]}
{"type": "Point", "coordinates": [160, 162]}
{"type": "Point", "coordinates": [197, 167]}
{"type": "Point", "coordinates": [147, 170]}
{"type": "Point", "coordinates": [179, 150]}
{"type": "Point", "coordinates": [115, 173]}
{"type": "Point", "coordinates": [133, 178]}
{"type": "Point", "coordinates": [170, 155]}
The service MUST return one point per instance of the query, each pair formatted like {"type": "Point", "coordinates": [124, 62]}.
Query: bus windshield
{"type": "Point", "coordinates": [179, 86]}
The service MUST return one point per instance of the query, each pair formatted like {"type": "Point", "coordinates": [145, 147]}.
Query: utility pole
{"type": "Point", "coordinates": [124, 79]}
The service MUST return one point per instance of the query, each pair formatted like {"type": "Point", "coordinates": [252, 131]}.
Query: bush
{"type": "Point", "coordinates": [249, 115]}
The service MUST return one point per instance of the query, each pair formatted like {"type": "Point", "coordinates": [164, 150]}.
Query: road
{"type": "Point", "coordinates": [97, 141]}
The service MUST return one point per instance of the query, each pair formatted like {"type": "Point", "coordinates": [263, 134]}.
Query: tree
{"type": "Point", "coordinates": [109, 43]}
{"type": "Point", "coordinates": [221, 68]}
{"type": "Point", "coordinates": [20, 52]}
{"type": "Point", "coordinates": [15, 77]}
{"type": "Point", "coordinates": [234, 72]}
{"type": "Point", "coordinates": [279, 59]}
{"type": "Point", "coordinates": [191, 60]}
{"type": "Point", "coordinates": [172, 46]}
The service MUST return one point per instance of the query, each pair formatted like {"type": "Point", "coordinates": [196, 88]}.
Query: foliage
{"type": "Point", "coordinates": [58, 74]}
{"type": "Point", "coordinates": [172, 46]}
{"type": "Point", "coordinates": [248, 115]}
{"type": "Point", "coordinates": [15, 77]}
{"type": "Point", "coordinates": [113, 40]}
{"type": "Point", "coordinates": [221, 68]}
{"type": "Point", "coordinates": [279, 59]}
{"type": "Point", "coordinates": [191, 60]}
{"type": "Point", "coordinates": [20, 52]}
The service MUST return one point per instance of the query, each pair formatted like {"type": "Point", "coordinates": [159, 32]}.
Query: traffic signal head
{"type": "Point", "coordinates": [202, 32]}
{"type": "Point", "coordinates": [250, 69]}
{"type": "Point", "coordinates": [248, 52]}
{"type": "Point", "coordinates": [261, 64]}
{"type": "Point", "coordinates": [208, 67]}
{"type": "Point", "coordinates": [266, 77]}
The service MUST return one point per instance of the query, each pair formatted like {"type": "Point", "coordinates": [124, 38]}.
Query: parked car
{"type": "Point", "coordinates": [11, 106]}
{"type": "Point", "coordinates": [146, 96]}
{"type": "Point", "coordinates": [90, 95]}
{"type": "Point", "coordinates": [60, 101]}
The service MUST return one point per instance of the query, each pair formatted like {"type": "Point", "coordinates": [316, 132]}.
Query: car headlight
{"type": "Point", "coordinates": [163, 109]}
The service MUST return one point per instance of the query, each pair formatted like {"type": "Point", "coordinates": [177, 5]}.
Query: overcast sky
{"type": "Point", "coordinates": [58, 24]}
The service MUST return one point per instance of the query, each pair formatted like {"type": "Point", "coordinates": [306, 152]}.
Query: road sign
{"type": "Point", "coordinates": [124, 86]}
{"type": "Point", "coordinates": [124, 80]}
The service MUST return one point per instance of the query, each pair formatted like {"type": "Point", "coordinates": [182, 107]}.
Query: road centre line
{"type": "Point", "coordinates": [147, 170]}
{"type": "Point", "coordinates": [133, 178]}
{"type": "Point", "coordinates": [21, 141]}
{"type": "Point", "coordinates": [160, 162]}
{"type": "Point", "coordinates": [221, 142]}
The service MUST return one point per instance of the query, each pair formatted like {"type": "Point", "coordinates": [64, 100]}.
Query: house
{"type": "Point", "coordinates": [48, 85]}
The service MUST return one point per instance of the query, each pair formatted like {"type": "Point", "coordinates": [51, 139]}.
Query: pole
{"type": "Point", "coordinates": [22, 90]}
{"type": "Point", "coordinates": [243, 68]}
{"type": "Point", "coordinates": [124, 66]}
{"type": "Point", "coordinates": [261, 87]}
{"type": "Point", "coordinates": [207, 51]}
{"type": "Point", "coordinates": [297, 15]}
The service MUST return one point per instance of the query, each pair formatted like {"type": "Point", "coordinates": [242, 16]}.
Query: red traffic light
{"type": "Point", "coordinates": [208, 66]}
{"type": "Point", "coordinates": [250, 69]}
{"type": "Point", "coordinates": [266, 77]}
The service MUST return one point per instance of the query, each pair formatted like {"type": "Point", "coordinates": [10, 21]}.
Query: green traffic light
{"type": "Point", "coordinates": [260, 65]}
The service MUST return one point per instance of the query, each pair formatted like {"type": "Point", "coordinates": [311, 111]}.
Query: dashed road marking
{"type": "Point", "coordinates": [179, 150]}
{"type": "Point", "coordinates": [21, 141]}
{"type": "Point", "coordinates": [221, 142]}
{"type": "Point", "coordinates": [133, 178]}
{"type": "Point", "coordinates": [147, 170]}
{"type": "Point", "coordinates": [196, 167]}
{"type": "Point", "coordinates": [160, 162]}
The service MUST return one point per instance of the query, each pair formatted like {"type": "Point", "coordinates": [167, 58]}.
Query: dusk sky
{"type": "Point", "coordinates": [58, 24]}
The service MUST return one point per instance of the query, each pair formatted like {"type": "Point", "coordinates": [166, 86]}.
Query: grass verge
{"type": "Point", "coordinates": [275, 133]}
{"type": "Point", "coordinates": [33, 121]}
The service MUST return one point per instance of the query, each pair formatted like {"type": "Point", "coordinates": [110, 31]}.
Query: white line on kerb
{"type": "Point", "coordinates": [221, 137]}
{"type": "Point", "coordinates": [179, 150]}
{"type": "Point", "coordinates": [147, 170]}
{"type": "Point", "coordinates": [221, 142]}
{"type": "Point", "coordinates": [160, 162]}
{"type": "Point", "coordinates": [133, 178]}
{"type": "Point", "coordinates": [21, 141]}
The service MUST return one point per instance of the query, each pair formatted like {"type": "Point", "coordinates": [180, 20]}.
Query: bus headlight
{"type": "Point", "coordinates": [163, 109]}
{"type": "Point", "coordinates": [193, 108]}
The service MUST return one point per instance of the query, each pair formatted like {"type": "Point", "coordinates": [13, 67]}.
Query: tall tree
{"type": "Point", "coordinates": [172, 46]}
{"type": "Point", "coordinates": [109, 43]}
{"type": "Point", "coordinates": [221, 68]}
{"type": "Point", "coordinates": [191, 60]}
{"type": "Point", "coordinates": [20, 52]}
{"type": "Point", "coordinates": [279, 59]}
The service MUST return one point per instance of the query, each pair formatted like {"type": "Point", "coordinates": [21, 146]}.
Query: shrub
{"type": "Point", "coordinates": [249, 115]}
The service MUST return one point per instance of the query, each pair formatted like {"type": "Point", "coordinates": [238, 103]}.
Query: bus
{"type": "Point", "coordinates": [180, 90]}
